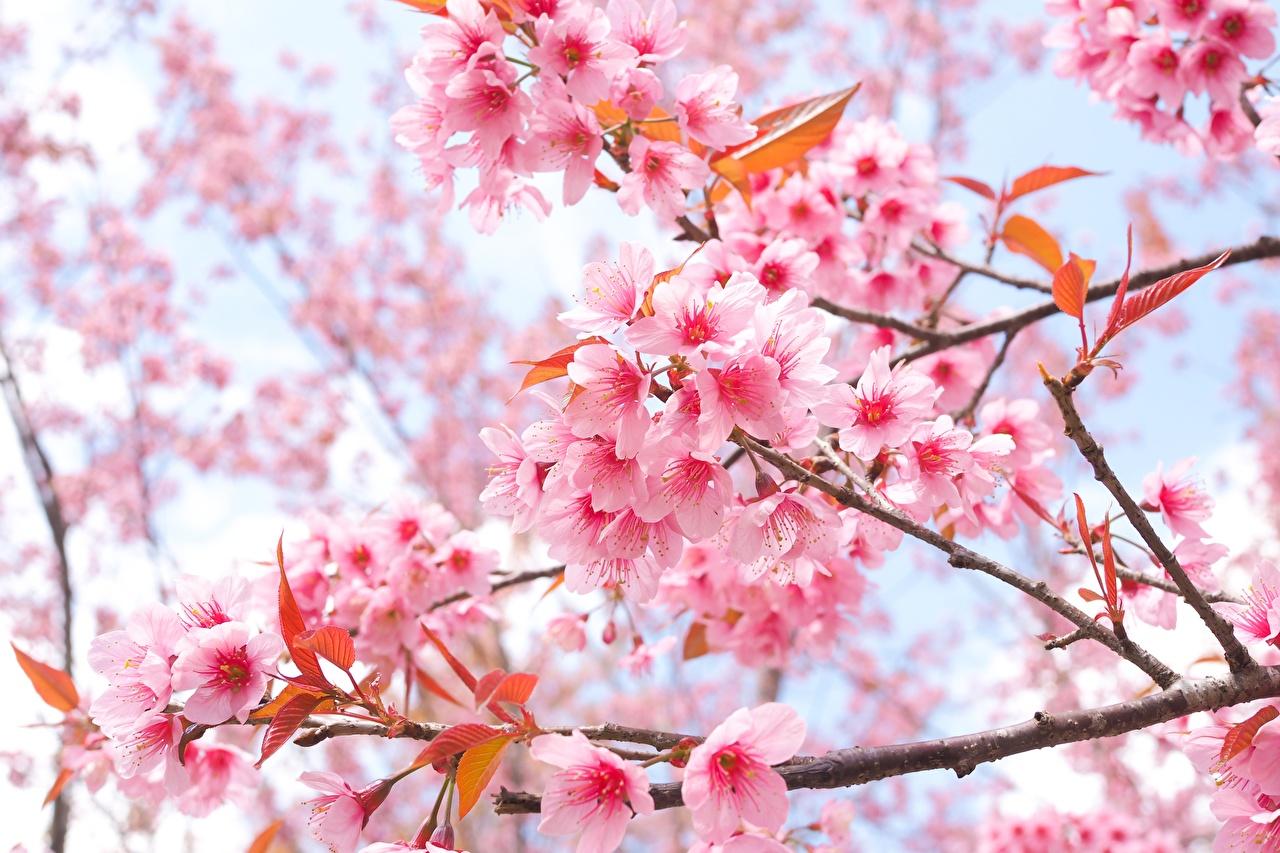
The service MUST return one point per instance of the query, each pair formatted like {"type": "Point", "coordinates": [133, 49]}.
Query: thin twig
{"type": "Point", "coordinates": [1237, 655]}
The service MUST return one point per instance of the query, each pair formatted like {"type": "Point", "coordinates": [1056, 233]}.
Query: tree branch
{"type": "Point", "coordinates": [511, 580]}
{"type": "Point", "coordinates": [1262, 248]}
{"type": "Point", "coordinates": [872, 318]}
{"type": "Point", "coordinates": [321, 731]}
{"type": "Point", "coordinates": [963, 558]}
{"type": "Point", "coordinates": [858, 765]}
{"type": "Point", "coordinates": [1237, 656]}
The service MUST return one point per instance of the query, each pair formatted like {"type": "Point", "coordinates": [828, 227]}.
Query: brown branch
{"type": "Point", "coordinates": [40, 471]}
{"type": "Point", "coordinates": [1171, 587]}
{"type": "Point", "coordinates": [872, 318]}
{"type": "Point", "coordinates": [1237, 655]}
{"type": "Point", "coordinates": [982, 270]}
{"type": "Point", "coordinates": [321, 731]}
{"type": "Point", "coordinates": [963, 558]}
{"type": "Point", "coordinates": [509, 581]}
{"type": "Point", "coordinates": [967, 412]}
{"type": "Point", "coordinates": [962, 754]}
{"type": "Point", "coordinates": [1262, 248]}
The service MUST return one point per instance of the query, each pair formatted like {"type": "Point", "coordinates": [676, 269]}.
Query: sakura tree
{"type": "Point", "coordinates": [792, 521]}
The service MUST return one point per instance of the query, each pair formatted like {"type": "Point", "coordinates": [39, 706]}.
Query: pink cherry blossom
{"type": "Point", "coordinates": [688, 319]}
{"type": "Point", "coordinates": [786, 534]}
{"type": "Point", "coordinates": [1212, 67]}
{"type": "Point", "coordinates": [594, 793]}
{"type": "Point", "coordinates": [576, 46]}
{"type": "Point", "coordinates": [1180, 498]}
{"type": "Point", "coordinates": [614, 391]}
{"type": "Point", "coordinates": [656, 37]}
{"type": "Point", "coordinates": [636, 577]}
{"type": "Point", "coordinates": [515, 481]}
{"type": "Point", "coordinates": [229, 668]}
{"type": "Point", "coordinates": [338, 815]}
{"type": "Point", "coordinates": [1267, 134]}
{"type": "Point", "coordinates": [614, 481]}
{"type": "Point", "coordinates": [729, 777]}
{"type": "Point", "coordinates": [483, 101]}
{"type": "Point", "coordinates": [456, 43]}
{"type": "Point", "coordinates": [1245, 26]}
{"type": "Point", "coordinates": [937, 453]}
{"type": "Point", "coordinates": [636, 91]}
{"type": "Point", "coordinates": [743, 393]}
{"type": "Point", "coordinates": [136, 662]}
{"type": "Point", "coordinates": [660, 172]}
{"type": "Point", "coordinates": [694, 488]}
{"type": "Point", "coordinates": [706, 111]}
{"type": "Point", "coordinates": [219, 774]}
{"type": "Point", "coordinates": [565, 137]}
{"type": "Point", "coordinates": [882, 410]}
{"type": "Point", "coordinates": [150, 745]}
{"type": "Point", "coordinates": [611, 291]}
{"type": "Point", "coordinates": [1258, 618]}
{"type": "Point", "coordinates": [1155, 67]}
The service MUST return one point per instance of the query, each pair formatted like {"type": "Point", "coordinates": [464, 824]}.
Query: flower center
{"type": "Point", "coordinates": [234, 667]}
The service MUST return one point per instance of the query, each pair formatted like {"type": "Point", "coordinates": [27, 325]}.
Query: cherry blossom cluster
{"type": "Point", "coordinates": [208, 650]}
{"type": "Point", "coordinates": [1050, 831]}
{"type": "Point", "coordinates": [574, 57]}
{"type": "Point", "coordinates": [843, 229]}
{"type": "Point", "coordinates": [625, 478]}
{"type": "Point", "coordinates": [381, 575]}
{"type": "Point", "coordinates": [1149, 57]}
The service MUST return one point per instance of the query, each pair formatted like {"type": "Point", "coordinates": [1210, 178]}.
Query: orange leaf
{"type": "Point", "coordinates": [553, 586]}
{"type": "Point", "coordinates": [433, 686]}
{"type": "Point", "coordinates": [695, 642]}
{"type": "Point", "coordinates": [783, 136]}
{"type": "Point", "coordinates": [1242, 734]}
{"type": "Point", "coordinates": [516, 688]}
{"type": "Point", "coordinates": [262, 843]}
{"type": "Point", "coordinates": [456, 665]}
{"type": "Point", "coordinates": [64, 776]}
{"type": "Point", "coordinates": [972, 185]}
{"type": "Point", "coordinates": [1086, 540]}
{"type": "Point", "coordinates": [653, 126]}
{"type": "Point", "coordinates": [476, 769]}
{"type": "Point", "coordinates": [1117, 304]}
{"type": "Point", "coordinates": [1145, 301]}
{"type": "Point", "coordinates": [1045, 176]}
{"type": "Point", "coordinates": [455, 739]}
{"type": "Point", "coordinates": [291, 625]}
{"type": "Point", "coordinates": [486, 685]}
{"type": "Point", "coordinates": [331, 643]}
{"type": "Point", "coordinates": [1070, 288]}
{"type": "Point", "coordinates": [54, 686]}
{"type": "Point", "coordinates": [1109, 566]}
{"type": "Point", "coordinates": [431, 7]}
{"type": "Point", "coordinates": [1089, 595]}
{"type": "Point", "coordinates": [555, 365]}
{"type": "Point", "coordinates": [286, 722]}
{"type": "Point", "coordinates": [1026, 237]}
{"type": "Point", "coordinates": [270, 709]}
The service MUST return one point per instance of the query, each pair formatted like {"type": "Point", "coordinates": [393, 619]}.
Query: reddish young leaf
{"type": "Point", "coordinates": [434, 687]}
{"type": "Point", "coordinates": [54, 686]}
{"type": "Point", "coordinates": [270, 709]}
{"type": "Point", "coordinates": [1109, 571]}
{"type": "Point", "coordinates": [1144, 302]}
{"type": "Point", "coordinates": [555, 584]}
{"type": "Point", "coordinates": [262, 843]}
{"type": "Point", "coordinates": [331, 643]}
{"type": "Point", "coordinates": [1086, 539]}
{"type": "Point", "coordinates": [456, 665]}
{"type": "Point", "coordinates": [516, 688]}
{"type": "Point", "coordinates": [1242, 734]}
{"type": "Point", "coordinates": [486, 685]}
{"type": "Point", "coordinates": [476, 769]}
{"type": "Point", "coordinates": [555, 365]}
{"type": "Point", "coordinates": [455, 739]}
{"type": "Point", "coordinates": [431, 7]}
{"type": "Point", "coordinates": [1026, 237]}
{"type": "Point", "coordinates": [192, 732]}
{"type": "Point", "coordinates": [604, 182]}
{"type": "Point", "coordinates": [291, 625]}
{"type": "Point", "coordinates": [1045, 176]}
{"type": "Point", "coordinates": [973, 185]}
{"type": "Point", "coordinates": [1070, 288]}
{"type": "Point", "coordinates": [783, 136]}
{"type": "Point", "coordinates": [286, 722]}
{"type": "Point", "coordinates": [1117, 304]}
{"type": "Point", "coordinates": [1036, 507]}
{"type": "Point", "coordinates": [64, 776]}
{"type": "Point", "coordinates": [1089, 595]}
